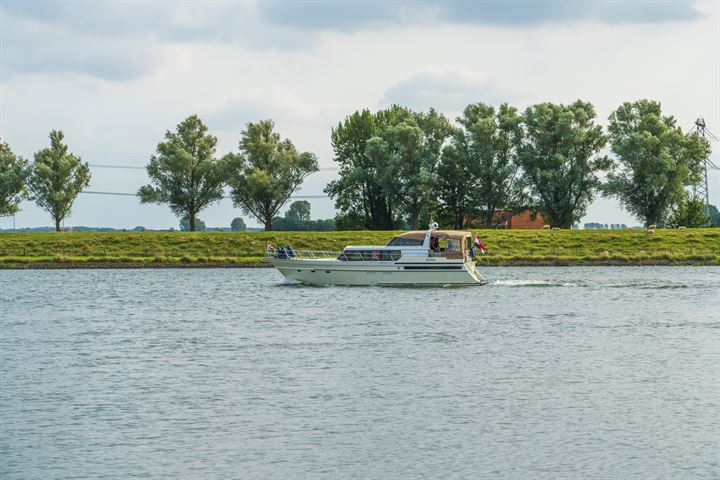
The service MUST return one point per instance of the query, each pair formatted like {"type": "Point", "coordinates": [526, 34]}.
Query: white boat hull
{"type": "Point", "coordinates": [337, 272]}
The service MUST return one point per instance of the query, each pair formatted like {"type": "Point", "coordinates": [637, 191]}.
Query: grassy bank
{"type": "Point", "coordinates": [506, 247]}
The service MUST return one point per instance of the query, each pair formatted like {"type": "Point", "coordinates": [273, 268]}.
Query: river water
{"type": "Point", "coordinates": [545, 373]}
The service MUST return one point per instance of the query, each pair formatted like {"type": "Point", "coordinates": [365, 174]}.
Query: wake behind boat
{"type": "Point", "coordinates": [432, 257]}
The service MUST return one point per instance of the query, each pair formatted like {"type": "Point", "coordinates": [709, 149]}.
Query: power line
{"type": "Point", "coordinates": [125, 194]}
{"type": "Point", "coordinates": [110, 193]}
{"type": "Point", "coordinates": [132, 167]}
{"type": "Point", "coordinates": [128, 167]}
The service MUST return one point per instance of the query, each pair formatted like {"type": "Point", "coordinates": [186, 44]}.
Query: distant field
{"type": "Point", "coordinates": [506, 247]}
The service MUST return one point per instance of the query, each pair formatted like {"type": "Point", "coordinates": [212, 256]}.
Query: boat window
{"type": "Point", "coordinates": [370, 255]}
{"type": "Point", "coordinates": [405, 242]}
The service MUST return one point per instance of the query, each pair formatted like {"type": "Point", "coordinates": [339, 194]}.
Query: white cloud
{"type": "Point", "coordinates": [218, 71]}
{"type": "Point", "coordinates": [449, 91]}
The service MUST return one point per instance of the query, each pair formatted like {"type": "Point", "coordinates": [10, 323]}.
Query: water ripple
{"type": "Point", "coordinates": [607, 373]}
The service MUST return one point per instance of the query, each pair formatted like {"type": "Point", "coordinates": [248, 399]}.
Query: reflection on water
{"type": "Point", "coordinates": [611, 373]}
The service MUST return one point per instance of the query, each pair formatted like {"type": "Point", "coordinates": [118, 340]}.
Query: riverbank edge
{"type": "Point", "coordinates": [69, 265]}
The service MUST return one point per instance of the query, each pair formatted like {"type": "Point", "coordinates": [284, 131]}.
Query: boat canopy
{"type": "Point", "coordinates": [450, 234]}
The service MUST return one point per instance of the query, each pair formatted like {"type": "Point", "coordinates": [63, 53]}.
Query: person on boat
{"type": "Point", "coordinates": [290, 252]}
{"type": "Point", "coordinates": [281, 253]}
{"type": "Point", "coordinates": [435, 244]}
{"type": "Point", "coordinates": [269, 249]}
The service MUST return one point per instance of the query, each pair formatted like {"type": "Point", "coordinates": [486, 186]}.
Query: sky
{"type": "Point", "coordinates": [115, 75]}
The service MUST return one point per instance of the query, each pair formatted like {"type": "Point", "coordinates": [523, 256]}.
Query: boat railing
{"type": "Point", "coordinates": [348, 256]}
{"type": "Point", "coordinates": [303, 254]}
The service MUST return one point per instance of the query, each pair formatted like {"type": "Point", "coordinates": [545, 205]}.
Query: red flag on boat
{"type": "Point", "coordinates": [479, 244]}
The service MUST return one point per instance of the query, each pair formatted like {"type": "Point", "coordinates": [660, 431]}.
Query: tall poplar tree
{"type": "Point", "coordinates": [560, 159]}
{"type": "Point", "coordinates": [56, 178]}
{"type": "Point", "coordinates": [456, 182]}
{"type": "Point", "coordinates": [13, 174]}
{"type": "Point", "coordinates": [184, 173]}
{"type": "Point", "coordinates": [491, 140]}
{"type": "Point", "coordinates": [388, 166]}
{"type": "Point", "coordinates": [654, 162]}
{"type": "Point", "coordinates": [358, 192]}
{"type": "Point", "coordinates": [413, 145]}
{"type": "Point", "coordinates": [266, 172]}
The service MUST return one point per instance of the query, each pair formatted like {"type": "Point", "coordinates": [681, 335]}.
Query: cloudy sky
{"type": "Point", "coordinates": [115, 75]}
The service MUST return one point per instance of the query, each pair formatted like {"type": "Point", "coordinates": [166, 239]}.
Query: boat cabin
{"type": "Point", "coordinates": [445, 244]}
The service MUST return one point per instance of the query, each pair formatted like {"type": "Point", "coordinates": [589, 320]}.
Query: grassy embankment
{"type": "Point", "coordinates": [506, 247]}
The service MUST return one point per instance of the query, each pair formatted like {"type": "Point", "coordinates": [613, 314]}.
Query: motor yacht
{"type": "Point", "coordinates": [432, 257]}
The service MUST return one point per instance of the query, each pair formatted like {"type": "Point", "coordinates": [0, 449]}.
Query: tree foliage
{"type": "Point", "coordinates": [456, 182]}
{"type": "Point", "coordinates": [410, 145]}
{"type": "Point", "coordinates": [238, 225]}
{"type": "Point", "coordinates": [560, 161]}
{"type": "Point", "coordinates": [299, 210]}
{"type": "Point", "coordinates": [266, 172]}
{"type": "Point", "coordinates": [293, 225]}
{"type": "Point", "coordinates": [13, 175]}
{"type": "Point", "coordinates": [388, 166]}
{"type": "Point", "coordinates": [359, 193]}
{"type": "Point", "coordinates": [297, 219]}
{"type": "Point", "coordinates": [185, 225]}
{"type": "Point", "coordinates": [184, 173]}
{"type": "Point", "coordinates": [479, 171]}
{"type": "Point", "coordinates": [655, 160]}
{"type": "Point", "coordinates": [714, 216]}
{"type": "Point", "coordinates": [690, 212]}
{"type": "Point", "coordinates": [56, 177]}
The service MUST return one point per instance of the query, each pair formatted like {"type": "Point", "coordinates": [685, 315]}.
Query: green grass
{"type": "Point", "coordinates": [506, 247]}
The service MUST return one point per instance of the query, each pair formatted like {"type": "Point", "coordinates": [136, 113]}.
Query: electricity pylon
{"type": "Point", "coordinates": [701, 189]}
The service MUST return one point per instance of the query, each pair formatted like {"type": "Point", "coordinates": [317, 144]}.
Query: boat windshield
{"type": "Point", "coordinates": [405, 242]}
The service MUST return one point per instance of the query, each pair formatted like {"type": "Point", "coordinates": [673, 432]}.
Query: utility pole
{"type": "Point", "coordinates": [702, 189]}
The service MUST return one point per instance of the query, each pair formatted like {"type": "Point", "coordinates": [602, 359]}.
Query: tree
{"type": "Point", "coordinates": [358, 192]}
{"type": "Point", "coordinates": [185, 226]}
{"type": "Point", "coordinates": [238, 225]}
{"type": "Point", "coordinates": [290, 225]}
{"type": "Point", "coordinates": [411, 144]}
{"type": "Point", "coordinates": [714, 216]}
{"type": "Point", "coordinates": [266, 172]}
{"type": "Point", "coordinates": [184, 173]}
{"type": "Point", "coordinates": [299, 211]}
{"type": "Point", "coordinates": [56, 178]}
{"type": "Point", "coordinates": [456, 182]}
{"type": "Point", "coordinates": [491, 139]}
{"type": "Point", "coordinates": [559, 157]}
{"type": "Point", "coordinates": [655, 160]}
{"type": "Point", "coordinates": [690, 212]}
{"type": "Point", "coordinates": [13, 175]}
{"type": "Point", "coordinates": [388, 167]}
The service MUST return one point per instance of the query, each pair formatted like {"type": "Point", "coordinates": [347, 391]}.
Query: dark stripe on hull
{"type": "Point", "coordinates": [433, 267]}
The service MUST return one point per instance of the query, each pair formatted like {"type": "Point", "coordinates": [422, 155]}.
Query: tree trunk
{"type": "Point", "coordinates": [191, 221]}
{"type": "Point", "coordinates": [268, 225]}
{"type": "Point", "coordinates": [458, 221]}
{"type": "Point", "coordinates": [560, 224]}
{"type": "Point", "coordinates": [489, 217]}
{"type": "Point", "coordinates": [57, 225]}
